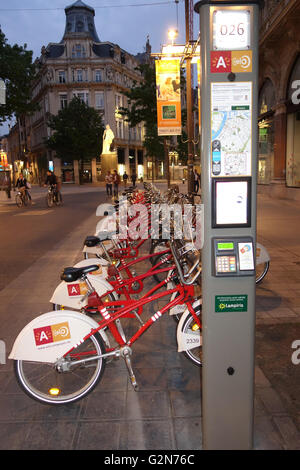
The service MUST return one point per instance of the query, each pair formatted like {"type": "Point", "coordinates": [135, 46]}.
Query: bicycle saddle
{"type": "Point", "coordinates": [92, 241]}
{"type": "Point", "coordinates": [73, 274]}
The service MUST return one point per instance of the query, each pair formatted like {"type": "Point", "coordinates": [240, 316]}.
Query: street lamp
{"type": "Point", "coordinates": [172, 35]}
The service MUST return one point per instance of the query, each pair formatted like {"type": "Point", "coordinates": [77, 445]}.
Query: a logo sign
{"type": "Point", "coordinates": [220, 62]}
{"type": "Point", "coordinates": [230, 61]}
{"type": "Point", "coordinates": [52, 334]}
{"type": "Point", "coordinates": [231, 303]}
{"type": "Point", "coordinates": [241, 61]}
{"type": "Point", "coordinates": [75, 290]}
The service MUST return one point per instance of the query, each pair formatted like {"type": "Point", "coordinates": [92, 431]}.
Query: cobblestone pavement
{"type": "Point", "coordinates": [166, 413]}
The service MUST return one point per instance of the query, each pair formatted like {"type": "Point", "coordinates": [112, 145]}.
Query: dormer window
{"type": "Point", "coordinates": [78, 51]}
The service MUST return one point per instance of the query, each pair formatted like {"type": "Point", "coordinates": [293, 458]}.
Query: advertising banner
{"type": "Point", "coordinates": [168, 97]}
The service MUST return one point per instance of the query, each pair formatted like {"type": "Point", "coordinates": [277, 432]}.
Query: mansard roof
{"type": "Point", "coordinates": [80, 21]}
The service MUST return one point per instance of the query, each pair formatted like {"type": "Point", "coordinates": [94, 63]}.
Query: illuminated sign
{"type": "Point", "coordinates": [231, 30]}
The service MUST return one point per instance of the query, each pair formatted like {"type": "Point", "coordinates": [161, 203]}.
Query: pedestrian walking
{"type": "Point", "coordinates": [125, 178]}
{"type": "Point", "coordinates": [133, 178]}
{"type": "Point", "coordinates": [109, 182]}
{"type": "Point", "coordinates": [116, 181]}
{"type": "Point", "coordinates": [196, 181]}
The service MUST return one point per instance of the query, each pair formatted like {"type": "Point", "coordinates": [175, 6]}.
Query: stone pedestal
{"type": "Point", "coordinates": [109, 162]}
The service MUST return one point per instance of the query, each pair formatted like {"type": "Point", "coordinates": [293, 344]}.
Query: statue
{"type": "Point", "coordinates": [108, 137]}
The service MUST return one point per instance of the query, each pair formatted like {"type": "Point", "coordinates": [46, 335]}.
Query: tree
{"type": "Point", "coordinates": [17, 71]}
{"type": "Point", "coordinates": [77, 133]}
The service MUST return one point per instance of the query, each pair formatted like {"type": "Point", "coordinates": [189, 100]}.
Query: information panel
{"type": "Point", "coordinates": [231, 124]}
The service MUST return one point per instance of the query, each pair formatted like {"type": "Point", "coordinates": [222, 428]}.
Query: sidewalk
{"type": "Point", "coordinates": [166, 413]}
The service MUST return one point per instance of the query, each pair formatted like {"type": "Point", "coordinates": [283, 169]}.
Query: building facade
{"type": "Point", "coordinates": [279, 99]}
{"type": "Point", "coordinates": [98, 73]}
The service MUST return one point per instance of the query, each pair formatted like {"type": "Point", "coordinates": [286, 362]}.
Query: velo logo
{"type": "Point", "coordinates": [52, 333]}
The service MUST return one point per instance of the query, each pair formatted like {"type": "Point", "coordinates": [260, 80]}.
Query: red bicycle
{"type": "Point", "coordinates": [69, 368]}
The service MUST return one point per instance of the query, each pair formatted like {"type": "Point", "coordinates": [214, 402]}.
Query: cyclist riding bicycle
{"type": "Point", "coordinates": [51, 181]}
{"type": "Point", "coordinates": [22, 186]}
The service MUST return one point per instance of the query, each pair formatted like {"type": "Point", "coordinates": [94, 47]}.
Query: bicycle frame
{"type": "Point", "coordinates": [185, 296]}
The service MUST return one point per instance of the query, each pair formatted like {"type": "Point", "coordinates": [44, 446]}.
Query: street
{"type": "Point", "coordinates": [166, 413]}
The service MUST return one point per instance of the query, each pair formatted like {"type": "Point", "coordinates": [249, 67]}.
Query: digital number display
{"type": "Point", "coordinates": [231, 30]}
{"type": "Point", "coordinates": [225, 246]}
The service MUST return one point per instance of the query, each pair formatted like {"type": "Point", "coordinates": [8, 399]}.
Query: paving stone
{"type": "Point", "coordinates": [271, 400]}
{"type": "Point", "coordinates": [102, 435]}
{"type": "Point", "coordinates": [188, 433]}
{"type": "Point", "coordinates": [147, 435]}
{"type": "Point", "coordinates": [288, 431]}
{"type": "Point", "coordinates": [266, 436]}
{"type": "Point", "coordinates": [260, 378]}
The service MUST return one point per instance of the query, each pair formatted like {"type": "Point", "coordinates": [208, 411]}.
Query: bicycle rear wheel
{"type": "Point", "coordinates": [58, 198]}
{"type": "Point", "coordinates": [261, 271]}
{"type": "Point", "coordinates": [191, 328]}
{"type": "Point", "coordinates": [49, 384]}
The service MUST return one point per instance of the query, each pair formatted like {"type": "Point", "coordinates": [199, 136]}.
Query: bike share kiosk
{"type": "Point", "coordinates": [229, 96]}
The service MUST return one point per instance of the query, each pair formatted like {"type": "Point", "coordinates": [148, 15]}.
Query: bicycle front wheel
{"type": "Point", "coordinates": [53, 385]}
{"type": "Point", "coordinates": [49, 200]}
{"type": "Point", "coordinates": [19, 200]}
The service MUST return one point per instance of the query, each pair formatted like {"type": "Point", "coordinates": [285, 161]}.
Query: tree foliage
{"type": "Point", "coordinates": [77, 132]}
{"type": "Point", "coordinates": [17, 71]}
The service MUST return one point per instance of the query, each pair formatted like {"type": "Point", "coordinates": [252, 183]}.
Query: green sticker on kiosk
{"type": "Point", "coordinates": [231, 303]}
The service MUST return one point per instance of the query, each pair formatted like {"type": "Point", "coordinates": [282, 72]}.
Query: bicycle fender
{"type": "Point", "coordinates": [51, 335]}
{"type": "Point", "coordinates": [71, 294]}
{"type": "Point", "coordinates": [187, 341]}
{"type": "Point", "coordinates": [262, 255]}
{"type": "Point", "coordinates": [101, 262]}
{"type": "Point", "coordinates": [179, 308]}
{"type": "Point", "coordinates": [95, 250]}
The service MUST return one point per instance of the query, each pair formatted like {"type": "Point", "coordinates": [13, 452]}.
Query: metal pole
{"type": "Point", "coordinates": [167, 161]}
{"type": "Point", "coordinates": [189, 103]}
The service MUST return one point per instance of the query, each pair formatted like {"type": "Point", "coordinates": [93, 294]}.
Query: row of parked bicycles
{"type": "Point", "coordinates": [60, 356]}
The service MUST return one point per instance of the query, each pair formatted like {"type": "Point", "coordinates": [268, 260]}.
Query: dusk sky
{"type": "Point", "coordinates": [38, 22]}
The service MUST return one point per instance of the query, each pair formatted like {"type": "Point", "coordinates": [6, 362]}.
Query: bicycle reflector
{"type": "Point", "coordinates": [54, 391]}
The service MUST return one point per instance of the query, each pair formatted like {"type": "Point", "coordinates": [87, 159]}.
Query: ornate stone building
{"type": "Point", "coordinates": [279, 99]}
{"type": "Point", "coordinates": [98, 73]}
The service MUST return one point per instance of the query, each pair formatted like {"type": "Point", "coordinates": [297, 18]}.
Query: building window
{"type": "Point", "coordinates": [78, 51]}
{"type": "Point", "coordinates": [83, 96]}
{"type": "Point", "coordinates": [99, 100]}
{"type": "Point", "coordinates": [293, 127]}
{"type": "Point", "coordinates": [120, 129]}
{"type": "Point", "coordinates": [118, 101]}
{"type": "Point", "coordinates": [266, 105]}
{"type": "Point", "coordinates": [79, 75]}
{"type": "Point", "coordinates": [62, 76]}
{"type": "Point", "coordinates": [98, 76]}
{"type": "Point", "coordinates": [63, 100]}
